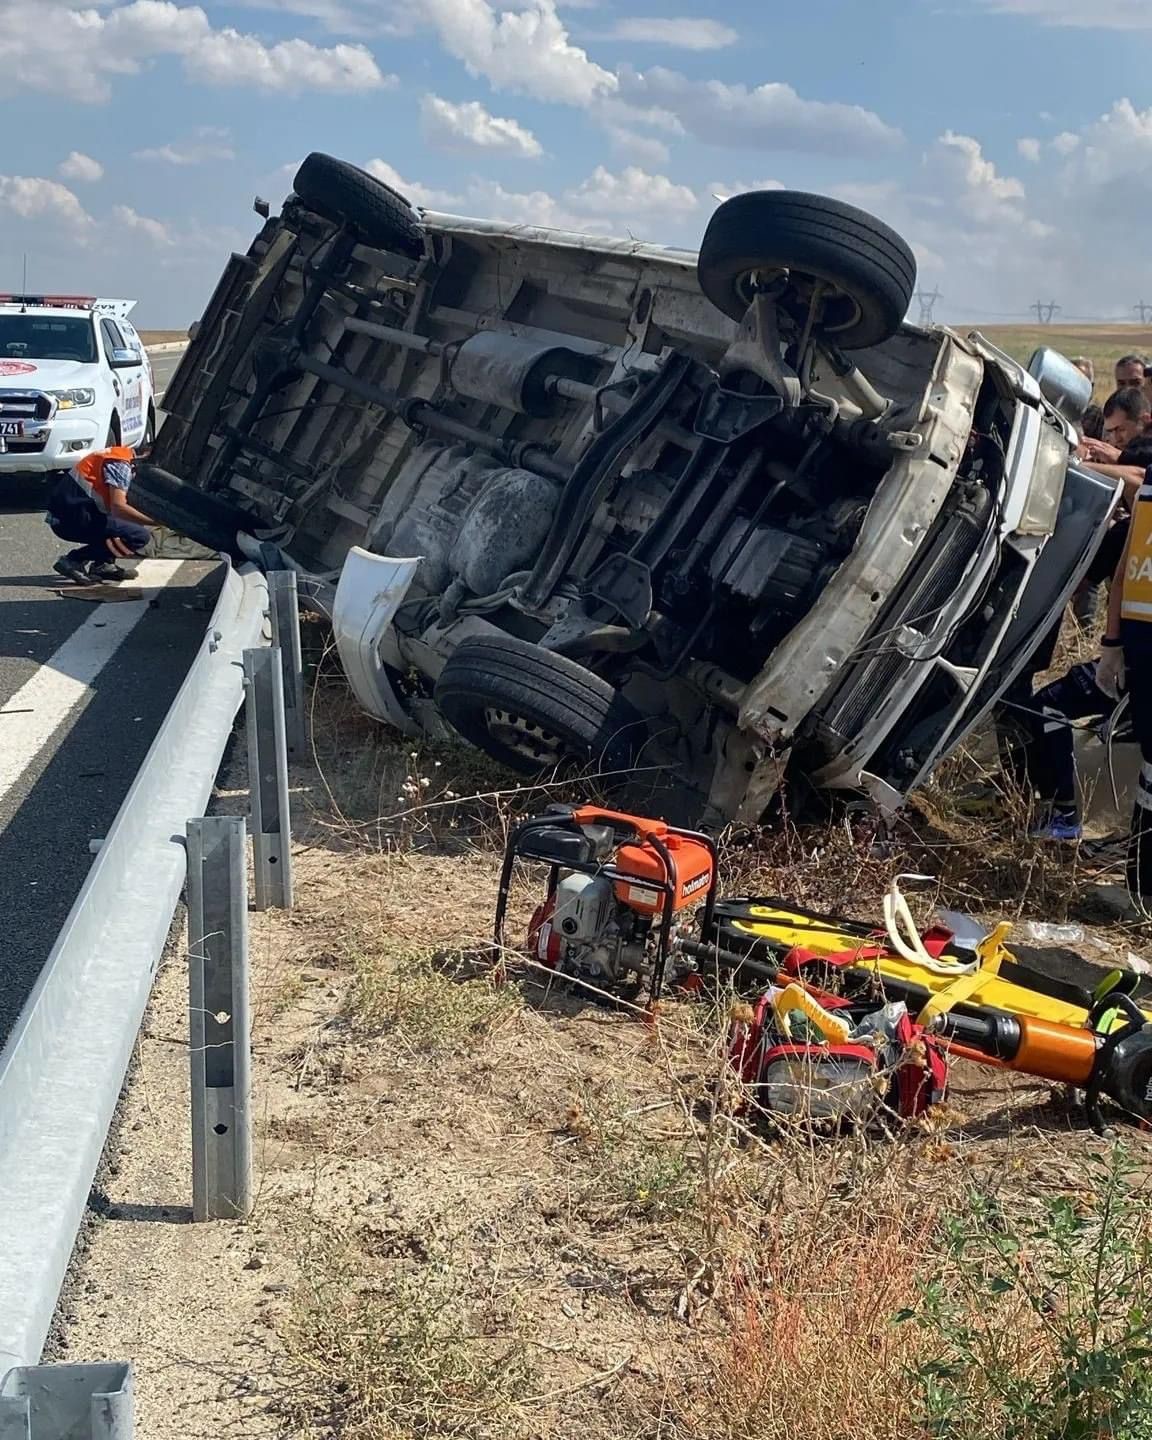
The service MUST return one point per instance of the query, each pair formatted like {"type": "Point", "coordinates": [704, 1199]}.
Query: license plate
{"type": "Point", "coordinates": [12, 428]}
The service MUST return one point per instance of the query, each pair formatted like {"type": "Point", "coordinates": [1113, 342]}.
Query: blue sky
{"type": "Point", "coordinates": [1007, 139]}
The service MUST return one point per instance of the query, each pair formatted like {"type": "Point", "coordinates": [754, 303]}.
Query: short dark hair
{"type": "Point", "coordinates": [1131, 360]}
{"type": "Point", "coordinates": [1093, 423]}
{"type": "Point", "coordinates": [1138, 453]}
{"type": "Point", "coordinates": [1131, 402]}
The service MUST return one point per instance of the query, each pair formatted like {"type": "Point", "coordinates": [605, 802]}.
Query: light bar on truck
{"type": "Point", "coordinates": [118, 308]}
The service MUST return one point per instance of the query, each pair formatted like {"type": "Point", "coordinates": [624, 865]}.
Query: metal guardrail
{"type": "Point", "coordinates": [63, 1067]}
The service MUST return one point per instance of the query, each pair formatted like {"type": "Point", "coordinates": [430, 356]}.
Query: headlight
{"type": "Point", "coordinates": [1047, 487]}
{"type": "Point", "coordinates": [70, 399]}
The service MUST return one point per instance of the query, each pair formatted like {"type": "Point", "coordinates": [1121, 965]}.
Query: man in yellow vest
{"type": "Point", "coordinates": [89, 505]}
{"type": "Point", "coordinates": [1125, 666]}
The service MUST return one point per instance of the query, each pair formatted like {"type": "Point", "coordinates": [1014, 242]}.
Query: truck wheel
{"type": "Point", "coordinates": [347, 195]}
{"type": "Point", "coordinates": [871, 272]}
{"type": "Point", "coordinates": [113, 433]}
{"type": "Point", "coordinates": [532, 710]}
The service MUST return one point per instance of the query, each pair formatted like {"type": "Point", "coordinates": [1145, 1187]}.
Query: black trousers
{"type": "Point", "coordinates": [1046, 762]}
{"type": "Point", "coordinates": [1138, 668]}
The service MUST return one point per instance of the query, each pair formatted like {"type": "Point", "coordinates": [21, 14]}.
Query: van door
{"type": "Point", "coordinates": [127, 384]}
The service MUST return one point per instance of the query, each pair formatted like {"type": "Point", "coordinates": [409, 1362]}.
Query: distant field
{"type": "Point", "coordinates": [1103, 344]}
{"type": "Point", "coordinates": [162, 337]}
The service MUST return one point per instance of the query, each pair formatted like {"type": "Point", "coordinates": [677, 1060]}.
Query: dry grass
{"type": "Point", "coordinates": [1103, 344]}
{"type": "Point", "coordinates": [531, 1217]}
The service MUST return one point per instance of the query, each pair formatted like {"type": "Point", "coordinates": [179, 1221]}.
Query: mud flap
{"type": "Point", "coordinates": [371, 591]}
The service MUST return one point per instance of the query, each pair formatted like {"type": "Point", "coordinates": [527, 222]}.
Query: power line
{"type": "Point", "coordinates": [1143, 310]}
{"type": "Point", "coordinates": [927, 304]}
{"type": "Point", "coordinates": [1044, 310]}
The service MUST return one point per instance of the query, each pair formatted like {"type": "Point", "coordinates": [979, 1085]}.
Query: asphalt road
{"type": "Point", "coordinates": [163, 368]}
{"type": "Point", "coordinates": [83, 690]}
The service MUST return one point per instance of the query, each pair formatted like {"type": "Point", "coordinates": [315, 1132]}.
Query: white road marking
{"type": "Point", "coordinates": [30, 718]}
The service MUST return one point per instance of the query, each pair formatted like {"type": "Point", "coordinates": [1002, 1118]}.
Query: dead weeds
{"type": "Point", "coordinates": [532, 1217]}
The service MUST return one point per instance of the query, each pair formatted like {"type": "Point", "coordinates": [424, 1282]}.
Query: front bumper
{"type": "Point", "coordinates": [55, 444]}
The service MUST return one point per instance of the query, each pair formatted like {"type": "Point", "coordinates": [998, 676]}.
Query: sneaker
{"type": "Point", "coordinates": [73, 570]}
{"type": "Point", "coordinates": [1059, 830]}
{"type": "Point", "coordinates": [105, 570]}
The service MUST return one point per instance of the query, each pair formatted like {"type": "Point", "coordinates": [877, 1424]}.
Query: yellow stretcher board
{"type": "Point", "coordinates": [996, 981]}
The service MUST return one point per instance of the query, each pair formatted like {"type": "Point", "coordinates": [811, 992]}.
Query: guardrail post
{"type": "Point", "coordinates": [82, 1402]}
{"type": "Point", "coordinates": [268, 779]}
{"type": "Point", "coordinates": [284, 610]}
{"type": "Point", "coordinates": [218, 1016]}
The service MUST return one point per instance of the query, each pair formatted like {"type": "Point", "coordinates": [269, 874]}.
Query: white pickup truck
{"type": "Point", "coordinates": [74, 377]}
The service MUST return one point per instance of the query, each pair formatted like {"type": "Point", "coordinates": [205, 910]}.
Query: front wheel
{"type": "Point", "coordinates": [532, 710]}
{"type": "Point", "coordinates": [865, 271]}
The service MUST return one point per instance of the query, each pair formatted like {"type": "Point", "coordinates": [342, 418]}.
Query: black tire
{"type": "Point", "coordinates": [870, 266]}
{"type": "Point", "coordinates": [347, 195]}
{"type": "Point", "coordinates": [149, 439]}
{"type": "Point", "coordinates": [586, 718]}
{"type": "Point", "coordinates": [113, 433]}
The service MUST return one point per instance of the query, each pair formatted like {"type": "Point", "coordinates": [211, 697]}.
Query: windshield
{"type": "Point", "coordinates": [47, 337]}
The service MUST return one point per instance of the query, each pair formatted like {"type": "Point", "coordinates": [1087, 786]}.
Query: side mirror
{"type": "Point", "coordinates": [124, 359]}
{"type": "Point", "coordinates": [1067, 390]}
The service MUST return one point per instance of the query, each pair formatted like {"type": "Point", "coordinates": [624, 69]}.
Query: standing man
{"type": "Point", "coordinates": [1126, 665]}
{"type": "Point", "coordinates": [89, 505]}
{"type": "Point", "coordinates": [1130, 371]}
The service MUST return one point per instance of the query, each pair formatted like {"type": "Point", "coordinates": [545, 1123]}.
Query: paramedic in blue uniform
{"type": "Point", "coordinates": [1125, 666]}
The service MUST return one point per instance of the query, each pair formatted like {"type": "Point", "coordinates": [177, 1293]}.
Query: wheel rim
{"type": "Point", "coordinates": [525, 737]}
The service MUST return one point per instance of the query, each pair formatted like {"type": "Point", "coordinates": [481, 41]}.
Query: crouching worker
{"type": "Point", "coordinates": [89, 506]}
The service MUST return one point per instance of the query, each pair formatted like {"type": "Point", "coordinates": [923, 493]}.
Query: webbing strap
{"type": "Point", "coordinates": [991, 953]}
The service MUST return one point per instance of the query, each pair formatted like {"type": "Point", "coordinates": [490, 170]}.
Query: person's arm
{"type": "Point", "coordinates": [1094, 450]}
{"type": "Point", "coordinates": [119, 507]}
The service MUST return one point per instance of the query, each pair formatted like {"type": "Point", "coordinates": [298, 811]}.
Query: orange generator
{"type": "Point", "coordinates": [616, 886]}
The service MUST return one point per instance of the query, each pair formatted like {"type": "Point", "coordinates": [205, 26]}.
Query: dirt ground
{"type": "Point", "coordinates": [162, 337]}
{"type": "Point", "coordinates": [503, 1212]}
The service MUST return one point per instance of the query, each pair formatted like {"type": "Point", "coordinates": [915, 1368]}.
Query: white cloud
{"type": "Point", "coordinates": [470, 127]}
{"type": "Point", "coordinates": [1029, 149]}
{"type": "Point", "coordinates": [361, 18]}
{"type": "Point", "coordinates": [1076, 14]}
{"type": "Point", "coordinates": [526, 50]}
{"type": "Point", "coordinates": [994, 244]}
{"type": "Point", "coordinates": [682, 33]}
{"type": "Point", "coordinates": [771, 116]}
{"type": "Point", "coordinates": [631, 193]}
{"type": "Point", "coordinates": [412, 190]}
{"type": "Point", "coordinates": [99, 49]}
{"type": "Point", "coordinates": [81, 167]}
{"type": "Point", "coordinates": [980, 184]}
{"type": "Point", "coordinates": [33, 198]}
{"type": "Point", "coordinates": [209, 143]}
{"type": "Point", "coordinates": [125, 217]}
{"type": "Point", "coordinates": [644, 149]}
{"type": "Point", "coordinates": [725, 189]}
{"type": "Point", "coordinates": [226, 57]}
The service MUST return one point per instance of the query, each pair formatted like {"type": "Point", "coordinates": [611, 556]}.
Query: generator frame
{"type": "Point", "coordinates": [627, 829]}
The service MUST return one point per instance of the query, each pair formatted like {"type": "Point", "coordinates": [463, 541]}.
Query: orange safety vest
{"type": "Point", "coordinates": [89, 473]}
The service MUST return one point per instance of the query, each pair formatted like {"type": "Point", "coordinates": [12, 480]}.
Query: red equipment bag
{"type": "Point", "coordinates": [838, 1078]}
